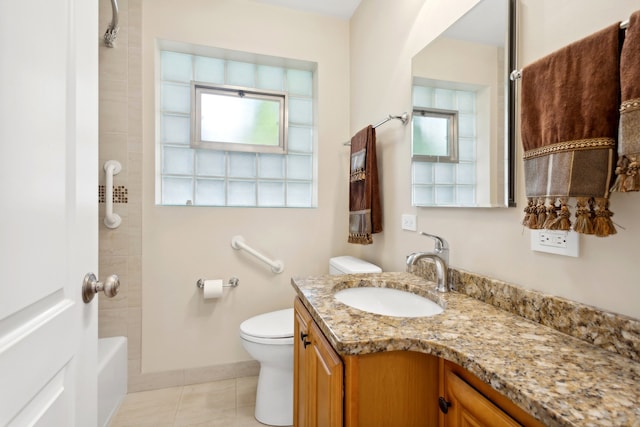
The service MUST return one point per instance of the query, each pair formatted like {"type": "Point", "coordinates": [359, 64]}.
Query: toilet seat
{"type": "Point", "coordinates": [274, 328]}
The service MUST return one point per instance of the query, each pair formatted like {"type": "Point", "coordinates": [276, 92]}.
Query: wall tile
{"type": "Point", "coordinates": [109, 265]}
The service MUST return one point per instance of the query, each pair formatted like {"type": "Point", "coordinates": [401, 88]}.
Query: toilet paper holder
{"type": "Point", "coordinates": [232, 283]}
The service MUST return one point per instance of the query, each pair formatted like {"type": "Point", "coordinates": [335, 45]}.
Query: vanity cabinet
{"type": "Point", "coordinates": [467, 401]}
{"type": "Point", "coordinates": [390, 388]}
{"type": "Point", "coordinates": [395, 388]}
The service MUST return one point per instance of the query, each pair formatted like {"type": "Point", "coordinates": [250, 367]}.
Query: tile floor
{"type": "Point", "coordinates": [227, 403]}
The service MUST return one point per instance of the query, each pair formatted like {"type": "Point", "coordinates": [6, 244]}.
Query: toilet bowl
{"type": "Point", "coordinates": [268, 338]}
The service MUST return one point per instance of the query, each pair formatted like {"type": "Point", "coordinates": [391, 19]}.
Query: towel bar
{"type": "Point", "coordinates": [404, 117]}
{"type": "Point", "coordinates": [517, 74]}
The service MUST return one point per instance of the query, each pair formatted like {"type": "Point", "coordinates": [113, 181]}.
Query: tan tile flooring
{"type": "Point", "coordinates": [227, 403]}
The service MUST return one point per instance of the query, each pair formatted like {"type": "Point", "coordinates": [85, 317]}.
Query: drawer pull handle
{"type": "Point", "coordinates": [444, 405]}
{"type": "Point", "coordinates": [303, 337]}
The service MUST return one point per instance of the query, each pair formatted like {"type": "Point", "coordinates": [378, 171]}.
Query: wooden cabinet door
{"type": "Point", "coordinates": [469, 408]}
{"type": "Point", "coordinates": [318, 375]}
{"type": "Point", "coordinates": [302, 319]}
{"type": "Point", "coordinates": [326, 371]}
{"type": "Point", "coordinates": [475, 403]}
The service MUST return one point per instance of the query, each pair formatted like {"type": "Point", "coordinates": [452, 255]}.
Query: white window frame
{"type": "Point", "coordinates": [199, 88]}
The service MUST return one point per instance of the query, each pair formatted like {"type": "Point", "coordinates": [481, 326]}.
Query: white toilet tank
{"type": "Point", "coordinates": [350, 265]}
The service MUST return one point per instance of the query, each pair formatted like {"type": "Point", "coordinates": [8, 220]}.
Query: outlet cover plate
{"type": "Point", "coordinates": [555, 242]}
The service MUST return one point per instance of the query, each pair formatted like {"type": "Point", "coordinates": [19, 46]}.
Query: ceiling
{"type": "Point", "coordinates": [339, 8]}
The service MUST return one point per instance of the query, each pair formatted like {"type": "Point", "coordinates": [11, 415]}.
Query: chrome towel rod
{"type": "Point", "coordinates": [517, 74]}
{"type": "Point", "coordinates": [112, 31]}
{"type": "Point", "coordinates": [404, 117]}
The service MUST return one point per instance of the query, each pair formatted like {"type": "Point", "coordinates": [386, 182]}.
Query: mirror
{"type": "Point", "coordinates": [463, 135]}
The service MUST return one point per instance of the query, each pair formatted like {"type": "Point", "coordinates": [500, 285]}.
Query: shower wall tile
{"type": "Point", "coordinates": [112, 323]}
{"type": "Point", "coordinates": [134, 332]}
{"type": "Point", "coordinates": [113, 242]}
{"type": "Point", "coordinates": [134, 270]}
{"type": "Point", "coordinates": [114, 265]}
{"type": "Point", "coordinates": [113, 146]}
{"type": "Point", "coordinates": [113, 64]}
{"type": "Point", "coordinates": [113, 112]}
{"type": "Point", "coordinates": [134, 177]}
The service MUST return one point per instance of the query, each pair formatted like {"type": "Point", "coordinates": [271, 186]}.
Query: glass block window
{"type": "Point", "coordinates": [220, 177]}
{"type": "Point", "coordinates": [442, 182]}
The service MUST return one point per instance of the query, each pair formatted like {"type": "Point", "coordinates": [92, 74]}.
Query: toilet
{"type": "Point", "coordinates": [268, 338]}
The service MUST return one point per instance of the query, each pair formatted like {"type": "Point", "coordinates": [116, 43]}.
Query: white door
{"type": "Point", "coordinates": [48, 211]}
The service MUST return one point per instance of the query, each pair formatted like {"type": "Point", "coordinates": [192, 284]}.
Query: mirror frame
{"type": "Point", "coordinates": [511, 121]}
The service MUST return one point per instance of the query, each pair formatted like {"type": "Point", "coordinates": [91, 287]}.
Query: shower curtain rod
{"type": "Point", "coordinates": [404, 117]}
{"type": "Point", "coordinates": [517, 74]}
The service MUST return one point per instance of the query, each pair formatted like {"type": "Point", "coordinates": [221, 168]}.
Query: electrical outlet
{"type": "Point", "coordinates": [555, 242]}
{"type": "Point", "coordinates": [409, 222]}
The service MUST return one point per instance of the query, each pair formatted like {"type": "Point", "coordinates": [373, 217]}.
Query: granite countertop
{"type": "Point", "coordinates": [559, 379]}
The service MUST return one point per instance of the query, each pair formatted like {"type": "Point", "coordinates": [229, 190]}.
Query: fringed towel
{"type": "Point", "coordinates": [365, 213]}
{"type": "Point", "coordinates": [569, 124]}
{"type": "Point", "coordinates": [628, 175]}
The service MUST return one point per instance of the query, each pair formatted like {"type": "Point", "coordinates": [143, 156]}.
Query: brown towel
{"type": "Point", "coordinates": [569, 125]}
{"type": "Point", "coordinates": [628, 177]}
{"type": "Point", "coordinates": [365, 213]}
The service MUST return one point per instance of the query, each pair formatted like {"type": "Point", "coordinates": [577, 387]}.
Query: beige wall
{"type": "Point", "coordinates": [487, 241]}
{"type": "Point", "coordinates": [181, 244]}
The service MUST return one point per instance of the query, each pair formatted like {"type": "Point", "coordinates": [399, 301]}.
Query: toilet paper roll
{"type": "Point", "coordinates": [212, 289]}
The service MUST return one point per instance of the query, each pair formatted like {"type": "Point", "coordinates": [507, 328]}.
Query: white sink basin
{"type": "Point", "coordinates": [388, 302]}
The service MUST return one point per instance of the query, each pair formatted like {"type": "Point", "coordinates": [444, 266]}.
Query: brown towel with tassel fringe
{"type": "Point", "coordinates": [569, 122]}
{"type": "Point", "coordinates": [365, 212]}
{"type": "Point", "coordinates": [628, 175]}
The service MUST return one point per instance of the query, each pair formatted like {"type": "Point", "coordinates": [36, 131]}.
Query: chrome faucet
{"type": "Point", "coordinates": [439, 256]}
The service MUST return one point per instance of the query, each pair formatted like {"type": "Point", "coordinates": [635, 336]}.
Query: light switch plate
{"type": "Point", "coordinates": [409, 222]}
{"type": "Point", "coordinates": [555, 242]}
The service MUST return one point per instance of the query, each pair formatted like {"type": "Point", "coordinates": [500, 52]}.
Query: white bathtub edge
{"type": "Point", "coordinates": [112, 377]}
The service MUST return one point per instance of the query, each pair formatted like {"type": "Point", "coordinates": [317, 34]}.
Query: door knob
{"type": "Point", "coordinates": [91, 286]}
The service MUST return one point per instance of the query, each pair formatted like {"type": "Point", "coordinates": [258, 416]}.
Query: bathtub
{"type": "Point", "coordinates": [112, 376]}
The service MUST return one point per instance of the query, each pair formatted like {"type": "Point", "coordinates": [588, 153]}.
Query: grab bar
{"type": "Point", "coordinates": [111, 219]}
{"type": "Point", "coordinates": [237, 243]}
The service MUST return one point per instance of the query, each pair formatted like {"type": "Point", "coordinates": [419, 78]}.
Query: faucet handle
{"type": "Point", "coordinates": [440, 244]}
